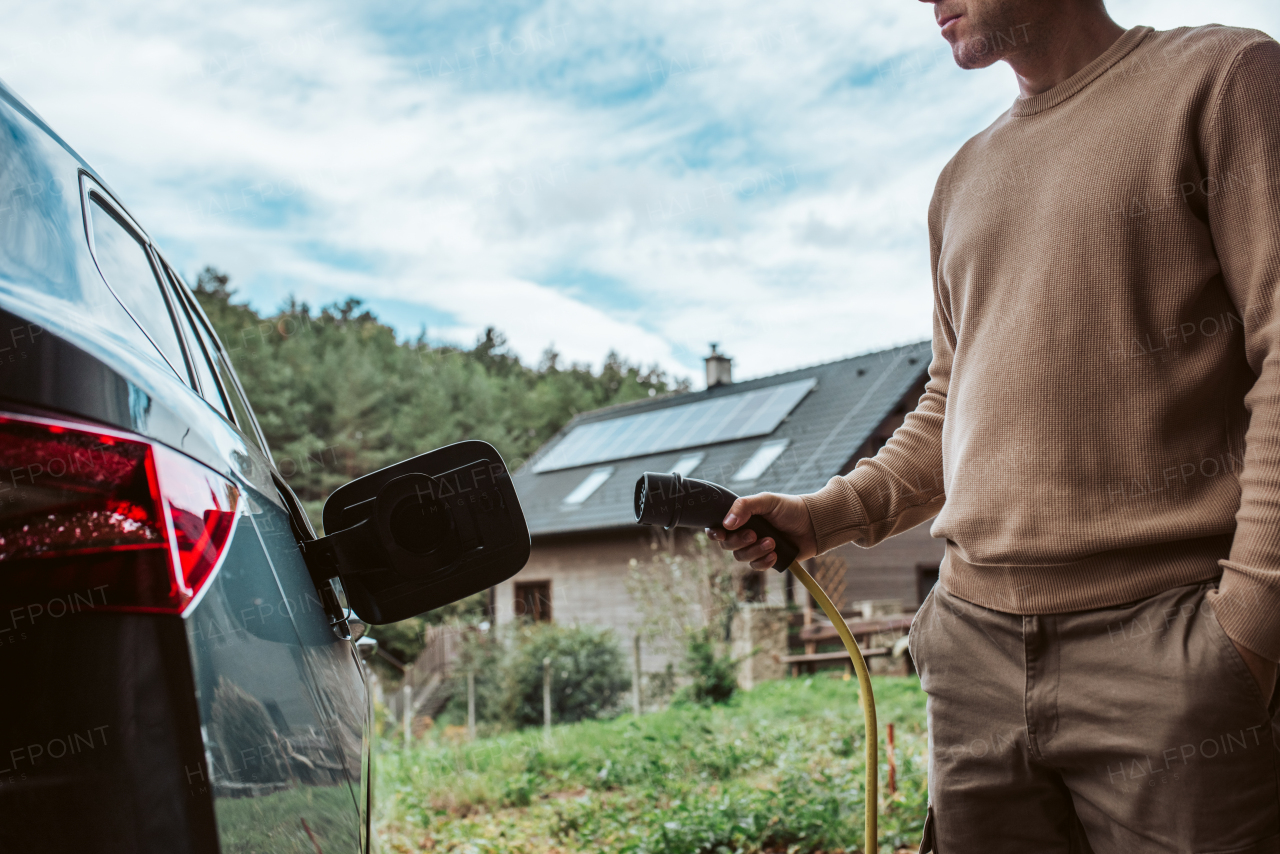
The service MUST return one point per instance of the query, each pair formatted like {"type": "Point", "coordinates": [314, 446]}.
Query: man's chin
{"type": "Point", "coordinates": [973, 53]}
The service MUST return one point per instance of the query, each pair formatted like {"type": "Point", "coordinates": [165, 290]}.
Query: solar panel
{"type": "Point", "coordinates": [706, 422]}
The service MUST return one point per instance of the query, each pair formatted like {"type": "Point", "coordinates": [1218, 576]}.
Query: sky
{"type": "Point", "coordinates": [583, 175]}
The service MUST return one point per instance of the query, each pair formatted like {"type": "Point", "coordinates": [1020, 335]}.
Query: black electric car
{"type": "Point", "coordinates": [179, 662]}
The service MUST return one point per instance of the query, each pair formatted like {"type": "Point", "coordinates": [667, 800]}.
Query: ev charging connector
{"type": "Point", "coordinates": [673, 501]}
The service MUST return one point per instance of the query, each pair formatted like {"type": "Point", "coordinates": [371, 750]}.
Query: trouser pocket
{"type": "Point", "coordinates": [927, 845]}
{"type": "Point", "coordinates": [918, 627]}
{"type": "Point", "coordinates": [1232, 658]}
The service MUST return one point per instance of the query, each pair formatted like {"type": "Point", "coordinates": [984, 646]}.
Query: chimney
{"type": "Point", "coordinates": [719, 368]}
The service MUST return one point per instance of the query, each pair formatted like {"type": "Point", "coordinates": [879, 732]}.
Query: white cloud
{"type": "Point", "coordinates": [640, 177]}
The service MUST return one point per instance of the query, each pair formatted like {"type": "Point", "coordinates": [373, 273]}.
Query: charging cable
{"type": "Point", "coordinates": [673, 501]}
{"type": "Point", "coordinates": [868, 701]}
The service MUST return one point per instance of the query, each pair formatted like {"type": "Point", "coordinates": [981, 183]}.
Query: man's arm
{"type": "Point", "coordinates": [897, 489]}
{"type": "Point", "coordinates": [1241, 144]}
{"type": "Point", "coordinates": [901, 486]}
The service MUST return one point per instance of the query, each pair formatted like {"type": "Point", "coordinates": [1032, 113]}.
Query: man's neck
{"type": "Point", "coordinates": [1066, 44]}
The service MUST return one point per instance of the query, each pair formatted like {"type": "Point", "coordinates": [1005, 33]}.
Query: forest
{"type": "Point", "coordinates": [338, 395]}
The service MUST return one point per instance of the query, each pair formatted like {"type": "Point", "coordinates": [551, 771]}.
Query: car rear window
{"type": "Point", "coordinates": [230, 386]}
{"type": "Point", "coordinates": [239, 404]}
{"type": "Point", "coordinates": [124, 264]}
{"type": "Point", "coordinates": [196, 347]}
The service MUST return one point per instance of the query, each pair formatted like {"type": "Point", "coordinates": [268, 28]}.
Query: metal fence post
{"type": "Point", "coordinates": [471, 705]}
{"type": "Point", "coordinates": [546, 698]}
{"type": "Point", "coordinates": [406, 702]}
{"type": "Point", "coordinates": [893, 765]}
{"type": "Point", "coordinates": [635, 694]}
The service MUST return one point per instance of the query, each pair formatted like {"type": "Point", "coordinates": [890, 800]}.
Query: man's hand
{"type": "Point", "coordinates": [787, 513]}
{"type": "Point", "coordinates": [1264, 672]}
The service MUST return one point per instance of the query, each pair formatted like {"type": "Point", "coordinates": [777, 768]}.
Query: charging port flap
{"type": "Point", "coordinates": [422, 533]}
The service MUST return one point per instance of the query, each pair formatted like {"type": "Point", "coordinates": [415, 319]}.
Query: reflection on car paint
{"type": "Point", "coordinates": [339, 691]}
{"type": "Point", "coordinates": [264, 735]}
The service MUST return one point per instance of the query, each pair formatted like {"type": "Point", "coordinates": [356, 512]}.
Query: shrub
{"type": "Point", "coordinates": [588, 673]}
{"type": "Point", "coordinates": [589, 676]}
{"type": "Point", "coordinates": [713, 676]}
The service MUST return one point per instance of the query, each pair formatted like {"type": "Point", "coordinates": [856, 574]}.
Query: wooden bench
{"type": "Point", "coordinates": [825, 632]}
{"type": "Point", "coordinates": [862, 631]}
{"type": "Point", "coordinates": [810, 660]}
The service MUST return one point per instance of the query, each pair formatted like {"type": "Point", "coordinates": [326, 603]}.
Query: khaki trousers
{"type": "Point", "coordinates": [1122, 730]}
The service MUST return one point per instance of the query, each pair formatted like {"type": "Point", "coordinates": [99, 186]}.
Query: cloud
{"type": "Point", "coordinates": [638, 177]}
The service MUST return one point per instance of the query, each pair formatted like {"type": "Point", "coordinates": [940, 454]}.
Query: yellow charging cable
{"type": "Point", "coordinates": [871, 839]}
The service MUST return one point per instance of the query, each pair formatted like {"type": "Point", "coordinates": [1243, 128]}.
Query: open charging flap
{"type": "Point", "coordinates": [422, 533]}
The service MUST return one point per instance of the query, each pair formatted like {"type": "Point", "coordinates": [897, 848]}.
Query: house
{"type": "Point", "coordinates": [789, 432]}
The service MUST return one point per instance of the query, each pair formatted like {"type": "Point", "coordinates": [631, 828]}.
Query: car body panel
{"type": "Point", "coordinates": [331, 661]}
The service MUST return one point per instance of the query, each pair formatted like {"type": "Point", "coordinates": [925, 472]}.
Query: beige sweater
{"type": "Point", "coordinates": [1102, 417]}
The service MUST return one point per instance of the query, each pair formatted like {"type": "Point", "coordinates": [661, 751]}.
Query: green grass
{"type": "Point", "coordinates": [779, 768]}
{"type": "Point", "coordinates": [273, 824]}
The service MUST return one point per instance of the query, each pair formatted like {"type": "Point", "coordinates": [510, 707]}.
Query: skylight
{"type": "Point", "coordinates": [760, 461]}
{"type": "Point", "coordinates": [687, 463]}
{"type": "Point", "coordinates": [721, 419]}
{"type": "Point", "coordinates": [589, 485]}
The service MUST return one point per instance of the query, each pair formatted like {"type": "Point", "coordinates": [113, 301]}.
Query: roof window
{"type": "Point", "coordinates": [760, 461]}
{"type": "Point", "coordinates": [687, 463]}
{"type": "Point", "coordinates": [587, 488]}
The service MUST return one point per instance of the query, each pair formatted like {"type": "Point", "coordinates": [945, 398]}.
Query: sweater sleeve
{"type": "Point", "coordinates": [1242, 152]}
{"type": "Point", "coordinates": [902, 485]}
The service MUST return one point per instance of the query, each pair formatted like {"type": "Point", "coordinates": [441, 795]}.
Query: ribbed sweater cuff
{"type": "Point", "coordinates": [1249, 610]}
{"type": "Point", "coordinates": [837, 514]}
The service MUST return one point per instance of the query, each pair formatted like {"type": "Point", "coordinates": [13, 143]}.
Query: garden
{"type": "Point", "coordinates": [708, 768]}
{"type": "Point", "coordinates": [778, 769]}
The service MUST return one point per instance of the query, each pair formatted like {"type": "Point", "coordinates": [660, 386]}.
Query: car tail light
{"type": "Point", "coordinates": [94, 519]}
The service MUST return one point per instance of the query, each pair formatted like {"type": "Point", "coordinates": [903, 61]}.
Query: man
{"type": "Point", "coordinates": [1100, 441]}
